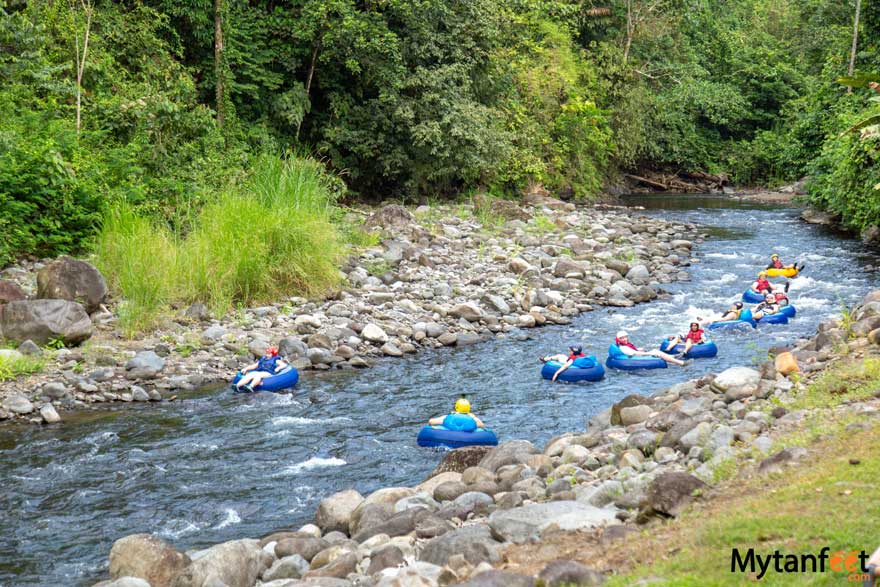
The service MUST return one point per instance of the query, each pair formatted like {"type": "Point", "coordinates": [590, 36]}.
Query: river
{"type": "Point", "coordinates": [215, 466]}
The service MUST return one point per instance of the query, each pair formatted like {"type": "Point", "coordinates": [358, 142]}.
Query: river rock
{"type": "Point", "coordinates": [374, 333]}
{"type": "Point", "coordinates": [508, 453]}
{"type": "Point", "coordinates": [389, 219]}
{"type": "Point", "coordinates": [334, 512]}
{"type": "Point", "coordinates": [449, 491]}
{"type": "Point", "coordinates": [629, 401]}
{"type": "Point", "coordinates": [198, 312]}
{"type": "Point", "coordinates": [459, 459]}
{"type": "Point", "coordinates": [498, 579]}
{"type": "Point", "coordinates": [638, 273]}
{"type": "Point", "coordinates": [670, 493]}
{"type": "Point", "coordinates": [420, 574]}
{"type": "Point", "coordinates": [147, 557]}
{"type": "Point", "coordinates": [474, 543]}
{"type": "Point", "coordinates": [635, 415]}
{"type": "Point", "coordinates": [737, 383]}
{"type": "Point", "coordinates": [70, 279]}
{"type": "Point", "coordinates": [144, 365]}
{"type": "Point", "coordinates": [213, 334]}
{"type": "Point", "coordinates": [496, 303]}
{"type": "Point", "coordinates": [340, 566]}
{"type": "Point", "coordinates": [521, 524]}
{"type": "Point", "coordinates": [292, 347]}
{"type": "Point", "coordinates": [289, 567]}
{"type": "Point", "coordinates": [237, 564]}
{"type": "Point", "coordinates": [43, 320]}
{"type": "Point", "coordinates": [385, 557]}
{"type": "Point", "coordinates": [49, 414]}
{"type": "Point", "coordinates": [776, 462]}
{"type": "Point", "coordinates": [302, 545]}
{"type": "Point", "coordinates": [560, 573]}
{"type": "Point", "coordinates": [18, 404]}
{"type": "Point", "coordinates": [10, 292]}
{"type": "Point", "coordinates": [30, 349]}
{"type": "Point", "coordinates": [468, 310]}
{"type": "Point", "coordinates": [467, 339]}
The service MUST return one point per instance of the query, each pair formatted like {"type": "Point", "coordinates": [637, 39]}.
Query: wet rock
{"type": "Point", "coordinates": [448, 338]}
{"type": "Point", "coordinates": [638, 273]}
{"type": "Point", "coordinates": [10, 292]}
{"type": "Point", "coordinates": [469, 311]}
{"type": "Point", "coordinates": [49, 415]}
{"type": "Point", "coordinates": [561, 573]}
{"type": "Point", "coordinates": [499, 579]}
{"type": "Point", "coordinates": [18, 404]}
{"type": "Point", "coordinates": [461, 458]}
{"type": "Point", "coordinates": [335, 512]}
{"type": "Point", "coordinates": [474, 543]}
{"type": "Point", "coordinates": [319, 356]}
{"type": "Point", "coordinates": [147, 557]}
{"type": "Point", "coordinates": [54, 390]}
{"type": "Point", "coordinates": [391, 350]}
{"type": "Point", "coordinates": [144, 365]}
{"type": "Point", "coordinates": [670, 493]}
{"type": "Point", "coordinates": [635, 414]}
{"type": "Point", "coordinates": [467, 339]}
{"type": "Point", "coordinates": [522, 524]}
{"type": "Point", "coordinates": [139, 394]}
{"type": "Point", "coordinates": [340, 567]}
{"type": "Point", "coordinates": [43, 320]}
{"type": "Point", "coordinates": [71, 279]}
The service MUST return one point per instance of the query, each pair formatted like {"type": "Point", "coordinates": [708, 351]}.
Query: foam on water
{"type": "Point", "coordinates": [301, 421]}
{"type": "Point", "coordinates": [231, 519]}
{"type": "Point", "coordinates": [312, 463]}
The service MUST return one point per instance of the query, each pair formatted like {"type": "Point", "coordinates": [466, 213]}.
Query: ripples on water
{"type": "Point", "coordinates": [216, 466]}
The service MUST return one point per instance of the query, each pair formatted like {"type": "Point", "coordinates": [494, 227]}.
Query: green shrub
{"type": "Point", "coordinates": [12, 367]}
{"type": "Point", "coordinates": [271, 239]}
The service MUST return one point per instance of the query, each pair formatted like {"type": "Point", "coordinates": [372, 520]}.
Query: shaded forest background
{"type": "Point", "coordinates": [159, 105]}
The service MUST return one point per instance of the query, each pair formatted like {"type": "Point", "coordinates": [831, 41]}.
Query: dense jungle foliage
{"type": "Point", "coordinates": [159, 106]}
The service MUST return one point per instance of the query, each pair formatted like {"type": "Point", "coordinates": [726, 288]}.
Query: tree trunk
{"type": "Point", "coordinates": [81, 59]}
{"type": "Point", "coordinates": [218, 59]}
{"type": "Point", "coordinates": [855, 43]}
{"type": "Point", "coordinates": [630, 27]}
{"type": "Point", "coordinates": [309, 79]}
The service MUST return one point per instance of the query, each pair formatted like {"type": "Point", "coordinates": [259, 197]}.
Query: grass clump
{"type": "Point", "coordinates": [845, 381]}
{"type": "Point", "coordinates": [271, 237]}
{"type": "Point", "coordinates": [12, 366]}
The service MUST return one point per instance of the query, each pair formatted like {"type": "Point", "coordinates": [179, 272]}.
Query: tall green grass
{"type": "Point", "coordinates": [269, 238]}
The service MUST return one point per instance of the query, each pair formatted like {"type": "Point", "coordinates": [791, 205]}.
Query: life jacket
{"type": "Point", "coordinates": [736, 312]}
{"type": "Point", "coordinates": [763, 285]}
{"type": "Point", "coordinates": [695, 335]}
{"type": "Point", "coordinates": [460, 422]}
{"type": "Point", "coordinates": [777, 264]}
{"type": "Point", "coordinates": [269, 365]}
{"type": "Point", "coordinates": [620, 343]}
{"type": "Point", "coordinates": [780, 297]}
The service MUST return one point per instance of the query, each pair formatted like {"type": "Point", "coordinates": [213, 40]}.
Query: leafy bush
{"type": "Point", "coordinates": [13, 366]}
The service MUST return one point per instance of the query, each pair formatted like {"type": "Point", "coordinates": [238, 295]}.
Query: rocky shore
{"type": "Point", "coordinates": [643, 460]}
{"type": "Point", "coordinates": [439, 276]}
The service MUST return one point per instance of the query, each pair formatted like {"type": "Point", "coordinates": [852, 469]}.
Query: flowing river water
{"type": "Point", "coordinates": [215, 466]}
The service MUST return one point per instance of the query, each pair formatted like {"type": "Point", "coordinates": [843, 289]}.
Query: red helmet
{"type": "Point", "coordinates": [272, 351]}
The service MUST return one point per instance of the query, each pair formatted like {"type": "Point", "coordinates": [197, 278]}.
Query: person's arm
{"type": "Point", "coordinates": [250, 367]}
{"type": "Point", "coordinates": [565, 366]}
{"type": "Point", "coordinates": [280, 365]}
{"type": "Point", "coordinates": [478, 421]}
{"type": "Point", "coordinates": [438, 421]}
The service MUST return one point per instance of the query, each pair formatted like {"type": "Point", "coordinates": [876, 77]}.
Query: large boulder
{"type": "Point", "coordinates": [144, 365]}
{"type": "Point", "coordinates": [564, 572]}
{"type": "Point", "coordinates": [670, 493]}
{"type": "Point", "coordinates": [67, 278]}
{"type": "Point", "coordinates": [474, 543]}
{"type": "Point", "coordinates": [737, 383]}
{"type": "Point", "coordinates": [629, 401]}
{"type": "Point", "coordinates": [467, 310]}
{"type": "Point", "coordinates": [45, 320]}
{"type": "Point", "coordinates": [334, 512]}
{"type": "Point", "coordinates": [147, 557]}
{"type": "Point", "coordinates": [519, 525]}
{"type": "Point", "coordinates": [786, 363]}
{"type": "Point", "coordinates": [236, 564]}
{"type": "Point", "coordinates": [10, 292]}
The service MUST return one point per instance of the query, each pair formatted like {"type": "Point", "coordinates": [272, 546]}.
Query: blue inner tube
{"type": "Point", "coordinates": [777, 318]}
{"type": "Point", "coordinates": [286, 379]}
{"type": "Point", "coordinates": [745, 319]}
{"type": "Point", "coordinates": [752, 297]}
{"type": "Point", "coordinates": [617, 360]}
{"type": "Point", "coordinates": [440, 436]}
{"type": "Point", "coordinates": [788, 311]}
{"type": "Point", "coordinates": [706, 350]}
{"type": "Point", "coordinates": [573, 374]}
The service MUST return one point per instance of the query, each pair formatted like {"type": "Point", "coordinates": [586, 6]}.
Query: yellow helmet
{"type": "Point", "coordinates": [462, 406]}
{"type": "Point", "coordinates": [774, 256]}
{"type": "Point", "coordinates": [762, 274]}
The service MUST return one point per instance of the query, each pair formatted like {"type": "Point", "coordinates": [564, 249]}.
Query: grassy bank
{"type": "Point", "coordinates": [271, 237]}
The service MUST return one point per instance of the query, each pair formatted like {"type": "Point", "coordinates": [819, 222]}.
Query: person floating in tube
{"type": "Point", "coordinates": [732, 313]}
{"type": "Point", "coordinates": [776, 263]}
{"type": "Point", "coordinates": [460, 418]}
{"type": "Point", "coordinates": [695, 335]}
{"type": "Point", "coordinates": [765, 308]}
{"type": "Point", "coordinates": [576, 359]}
{"type": "Point", "coordinates": [763, 286]}
{"type": "Point", "coordinates": [631, 350]}
{"type": "Point", "coordinates": [266, 366]}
